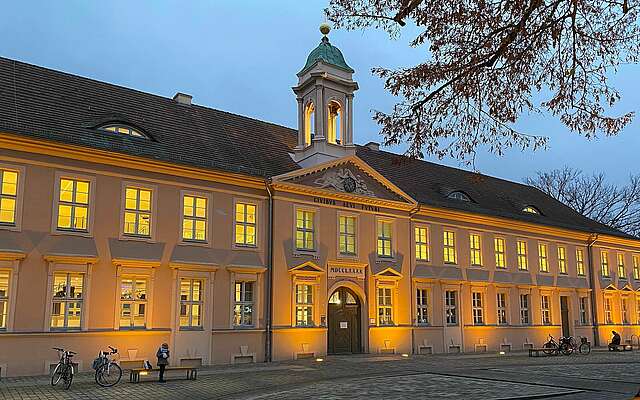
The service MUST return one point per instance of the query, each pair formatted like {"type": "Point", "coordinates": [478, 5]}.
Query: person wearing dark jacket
{"type": "Point", "coordinates": [163, 360]}
{"type": "Point", "coordinates": [615, 341]}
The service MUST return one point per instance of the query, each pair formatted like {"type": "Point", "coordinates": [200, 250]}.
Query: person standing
{"type": "Point", "coordinates": [163, 360]}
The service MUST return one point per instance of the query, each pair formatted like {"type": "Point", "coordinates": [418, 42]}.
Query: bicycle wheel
{"type": "Point", "coordinates": [108, 375]}
{"type": "Point", "coordinates": [566, 349]}
{"type": "Point", "coordinates": [67, 376]}
{"type": "Point", "coordinates": [57, 374]}
{"type": "Point", "coordinates": [549, 348]}
{"type": "Point", "coordinates": [585, 348]}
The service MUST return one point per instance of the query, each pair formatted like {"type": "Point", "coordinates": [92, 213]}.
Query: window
{"type": "Point", "coordinates": [133, 303]}
{"type": "Point", "coordinates": [194, 218]}
{"type": "Point", "coordinates": [522, 255]}
{"type": "Point", "coordinates": [347, 234]}
{"type": "Point", "coordinates": [624, 308]}
{"type": "Point", "coordinates": [524, 309]}
{"type": "Point", "coordinates": [449, 247]}
{"type": "Point", "coordinates": [4, 298]}
{"type": "Point", "coordinates": [385, 306]}
{"type": "Point", "coordinates": [580, 262]}
{"type": "Point", "coordinates": [530, 210]}
{"type": "Point", "coordinates": [499, 247]}
{"type": "Point", "coordinates": [245, 225]}
{"type": "Point", "coordinates": [636, 268]}
{"type": "Point", "coordinates": [305, 234]}
{"type": "Point", "coordinates": [476, 308]}
{"type": "Point", "coordinates": [621, 272]}
{"type": "Point", "coordinates": [543, 256]}
{"type": "Point", "coordinates": [304, 305]}
{"type": "Point", "coordinates": [243, 306]}
{"type": "Point", "coordinates": [501, 306]}
{"type": "Point", "coordinates": [309, 123]}
{"type": "Point", "coordinates": [66, 311]}
{"type": "Point", "coordinates": [73, 205]}
{"type": "Point", "coordinates": [638, 310]}
{"type": "Point", "coordinates": [584, 313]}
{"type": "Point", "coordinates": [191, 302]}
{"type": "Point", "coordinates": [562, 259]}
{"type": "Point", "coordinates": [422, 244]}
{"type": "Point", "coordinates": [546, 309]}
{"type": "Point", "coordinates": [384, 238]}
{"type": "Point", "coordinates": [608, 318]}
{"type": "Point", "coordinates": [604, 263]}
{"type": "Point", "coordinates": [8, 196]}
{"type": "Point", "coordinates": [422, 302]}
{"type": "Point", "coordinates": [137, 211]}
{"type": "Point", "coordinates": [334, 122]}
{"type": "Point", "coordinates": [459, 196]}
{"type": "Point", "coordinates": [124, 130]}
{"type": "Point", "coordinates": [474, 247]}
{"type": "Point", "coordinates": [451, 307]}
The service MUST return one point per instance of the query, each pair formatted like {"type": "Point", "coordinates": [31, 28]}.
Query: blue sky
{"type": "Point", "coordinates": [242, 57]}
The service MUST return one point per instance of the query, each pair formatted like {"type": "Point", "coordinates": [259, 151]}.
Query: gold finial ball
{"type": "Point", "coordinates": [325, 28]}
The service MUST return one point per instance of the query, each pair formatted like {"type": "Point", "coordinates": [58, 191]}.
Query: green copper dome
{"type": "Point", "coordinates": [327, 53]}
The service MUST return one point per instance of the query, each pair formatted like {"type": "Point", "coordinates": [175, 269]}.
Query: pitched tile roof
{"type": "Point", "coordinates": [51, 105]}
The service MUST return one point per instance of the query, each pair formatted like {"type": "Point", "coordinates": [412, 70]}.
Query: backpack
{"type": "Point", "coordinates": [147, 364]}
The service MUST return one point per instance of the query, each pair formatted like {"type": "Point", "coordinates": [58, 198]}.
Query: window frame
{"type": "Point", "coordinates": [500, 254]}
{"type": "Point", "coordinates": [583, 309]}
{"type": "Point", "coordinates": [545, 312]}
{"type": "Point", "coordinates": [580, 271]}
{"type": "Point", "coordinates": [562, 259]}
{"type": "Point", "coordinates": [153, 211]}
{"type": "Point", "coordinates": [525, 310]}
{"type": "Point", "coordinates": [19, 197]}
{"type": "Point", "coordinates": [426, 243]}
{"type": "Point", "coordinates": [190, 302]}
{"type": "Point", "coordinates": [522, 258]}
{"type": "Point", "coordinates": [502, 310]}
{"type": "Point", "coordinates": [635, 260]}
{"type": "Point", "coordinates": [309, 306]}
{"type": "Point", "coordinates": [448, 248]}
{"type": "Point", "coordinates": [477, 308]}
{"type": "Point", "coordinates": [608, 310]}
{"type": "Point", "coordinates": [386, 307]}
{"type": "Point", "coordinates": [448, 307]}
{"type": "Point", "coordinates": [624, 310]}
{"type": "Point", "coordinates": [473, 252]}
{"type": "Point", "coordinates": [620, 266]}
{"type": "Point", "coordinates": [543, 259]}
{"type": "Point", "coordinates": [605, 268]}
{"type": "Point", "coordinates": [207, 218]}
{"type": "Point", "coordinates": [256, 225]}
{"type": "Point", "coordinates": [146, 302]}
{"type": "Point", "coordinates": [59, 175]}
{"type": "Point", "coordinates": [117, 126]}
{"type": "Point", "coordinates": [6, 312]}
{"type": "Point", "coordinates": [243, 303]}
{"type": "Point", "coordinates": [423, 304]}
{"type": "Point", "coordinates": [67, 299]}
{"type": "Point", "coordinates": [356, 227]}
{"type": "Point", "coordinates": [313, 231]}
{"type": "Point", "coordinates": [391, 239]}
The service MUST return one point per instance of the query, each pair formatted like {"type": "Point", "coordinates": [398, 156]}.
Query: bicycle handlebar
{"type": "Point", "coordinates": [113, 350]}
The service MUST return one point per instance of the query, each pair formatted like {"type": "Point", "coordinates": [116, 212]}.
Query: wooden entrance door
{"type": "Point", "coordinates": [344, 322]}
{"type": "Point", "coordinates": [564, 313]}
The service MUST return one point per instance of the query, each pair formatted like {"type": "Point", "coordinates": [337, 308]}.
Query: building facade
{"type": "Point", "coordinates": [128, 219]}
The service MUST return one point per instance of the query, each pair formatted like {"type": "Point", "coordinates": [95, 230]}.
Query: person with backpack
{"type": "Point", "coordinates": [163, 360]}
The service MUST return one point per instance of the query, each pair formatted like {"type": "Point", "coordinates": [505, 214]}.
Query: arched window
{"type": "Point", "coordinates": [334, 122]}
{"type": "Point", "coordinates": [457, 195]}
{"type": "Point", "coordinates": [309, 123]}
{"type": "Point", "coordinates": [124, 130]}
{"type": "Point", "coordinates": [531, 210]}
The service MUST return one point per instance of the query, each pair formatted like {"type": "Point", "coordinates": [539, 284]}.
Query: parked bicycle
{"type": "Point", "coordinates": [566, 346]}
{"type": "Point", "coordinates": [64, 369]}
{"type": "Point", "coordinates": [550, 346]}
{"type": "Point", "coordinates": [585, 346]}
{"type": "Point", "coordinates": [108, 372]}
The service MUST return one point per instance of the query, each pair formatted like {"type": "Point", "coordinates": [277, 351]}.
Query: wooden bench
{"type": "Point", "coordinates": [621, 347]}
{"type": "Point", "coordinates": [134, 374]}
{"type": "Point", "coordinates": [540, 352]}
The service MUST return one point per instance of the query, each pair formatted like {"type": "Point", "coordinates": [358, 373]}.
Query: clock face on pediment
{"type": "Point", "coordinates": [347, 178]}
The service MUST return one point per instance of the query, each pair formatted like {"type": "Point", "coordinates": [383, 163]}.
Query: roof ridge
{"type": "Point", "coordinates": [168, 99]}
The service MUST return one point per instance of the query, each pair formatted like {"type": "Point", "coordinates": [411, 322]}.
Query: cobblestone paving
{"type": "Point", "coordinates": [600, 375]}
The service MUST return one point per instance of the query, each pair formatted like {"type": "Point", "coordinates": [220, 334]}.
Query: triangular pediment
{"type": "Point", "coordinates": [306, 267]}
{"type": "Point", "coordinates": [349, 176]}
{"type": "Point", "coordinates": [389, 272]}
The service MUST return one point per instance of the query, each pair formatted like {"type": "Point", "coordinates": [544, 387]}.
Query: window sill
{"type": "Point", "coordinates": [140, 238]}
{"type": "Point", "coordinates": [450, 263]}
{"type": "Point", "coordinates": [132, 328]}
{"type": "Point", "coordinates": [201, 243]}
{"type": "Point", "coordinates": [245, 247]}
{"type": "Point", "coordinates": [191, 329]}
{"type": "Point", "coordinates": [72, 232]}
{"type": "Point", "coordinates": [476, 266]}
{"type": "Point", "coordinates": [243, 327]}
{"type": "Point", "coordinates": [381, 259]}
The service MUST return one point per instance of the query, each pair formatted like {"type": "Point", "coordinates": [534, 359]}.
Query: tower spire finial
{"type": "Point", "coordinates": [325, 28]}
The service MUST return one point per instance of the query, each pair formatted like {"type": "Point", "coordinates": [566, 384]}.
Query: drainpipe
{"type": "Point", "coordinates": [592, 282]}
{"type": "Point", "coordinates": [268, 344]}
{"type": "Point", "coordinates": [412, 260]}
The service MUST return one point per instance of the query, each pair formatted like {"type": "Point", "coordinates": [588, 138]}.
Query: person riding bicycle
{"type": "Point", "coordinates": [163, 360]}
{"type": "Point", "coordinates": [615, 341]}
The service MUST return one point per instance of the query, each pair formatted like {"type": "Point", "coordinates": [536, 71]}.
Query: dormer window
{"type": "Point", "coordinates": [124, 130]}
{"type": "Point", "coordinates": [531, 210]}
{"type": "Point", "coordinates": [457, 195]}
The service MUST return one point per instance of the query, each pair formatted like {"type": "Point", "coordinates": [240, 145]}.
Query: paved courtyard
{"type": "Point", "coordinates": [601, 375]}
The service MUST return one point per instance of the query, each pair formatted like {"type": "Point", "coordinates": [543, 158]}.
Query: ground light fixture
{"type": "Point", "coordinates": [405, 355]}
{"type": "Point", "coordinates": [144, 373]}
{"type": "Point", "coordinates": [502, 353]}
{"type": "Point", "coordinates": [319, 359]}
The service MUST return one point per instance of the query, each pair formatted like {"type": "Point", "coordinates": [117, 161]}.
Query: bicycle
{"type": "Point", "coordinates": [550, 346]}
{"type": "Point", "coordinates": [64, 369]}
{"type": "Point", "coordinates": [567, 345]}
{"type": "Point", "coordinates": [585, 346]}
{"type": "Point", "coordinates": [108, 372]}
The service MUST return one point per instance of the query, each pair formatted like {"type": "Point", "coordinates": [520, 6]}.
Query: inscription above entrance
{"type": "Point", "coordinates": [342, 271]}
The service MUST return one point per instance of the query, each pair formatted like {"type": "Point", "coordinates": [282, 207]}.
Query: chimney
{"type": "Point", "coordinates": [182, 98]}
{"type": "Point", "coordinates": [373, 146]}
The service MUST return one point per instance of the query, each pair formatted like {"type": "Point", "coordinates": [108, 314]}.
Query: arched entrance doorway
{"type": "Point", "coordinates": [344, 335]}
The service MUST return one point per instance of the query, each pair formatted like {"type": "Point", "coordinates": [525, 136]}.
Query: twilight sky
{"type": "Point", "coordinates": [242, 57]}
